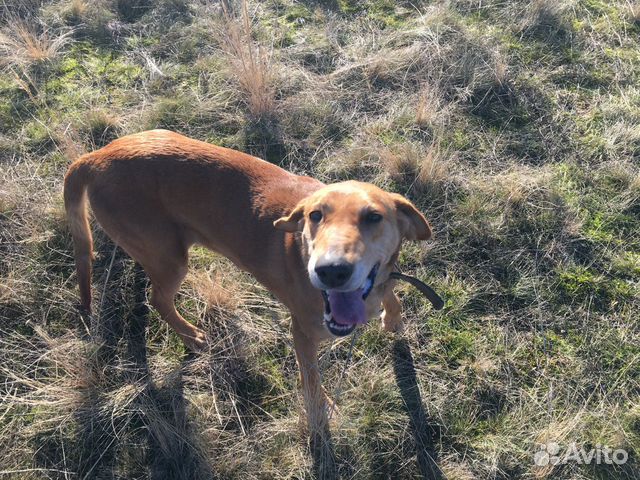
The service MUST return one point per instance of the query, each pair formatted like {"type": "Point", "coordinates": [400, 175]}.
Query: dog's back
{"type": "Point", "coordinates": [161, 185]}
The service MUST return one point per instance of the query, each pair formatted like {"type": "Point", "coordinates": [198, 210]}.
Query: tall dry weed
{"type": "Point", "coordinates": [250, 62]}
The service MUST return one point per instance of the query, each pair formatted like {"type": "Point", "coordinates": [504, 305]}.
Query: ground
{"type": "Point", "coordinates": [514, 126]}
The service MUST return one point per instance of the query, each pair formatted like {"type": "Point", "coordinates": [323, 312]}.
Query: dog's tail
{"type": "Point", "coordinates": [75, 202]}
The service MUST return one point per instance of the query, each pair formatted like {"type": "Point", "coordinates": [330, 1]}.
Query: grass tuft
{"type": "Point", "coordinates": [250, 62]}
{"type": "Point", "coordinates": [22, 46]}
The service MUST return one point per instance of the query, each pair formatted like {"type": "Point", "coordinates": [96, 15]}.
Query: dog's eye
{"type": "Point", "coordinates": [372, 217]}
{"type": "Point", "coordinates": [315, 216]}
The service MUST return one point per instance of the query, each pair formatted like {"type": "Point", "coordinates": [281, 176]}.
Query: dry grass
{"type": "Point", "coordinates": [634, 12]}
{"type": "Point", "coordinates": [216, 291]}
{"type": "Point", "coordinates": [544, 17]}
{"type": "Point", "coordinates": [78, 8]}
{"type": "Point", "coordinates": [513, 126]}
{"type": "Point", "coordinates": [423, 170]}
{"type": "Point", "coordinates": [99, 127]}
{"type": "Point", "coordinates": [251, 63]}
{"type": "Point", "coordinates": [21, 45]}
{"type": "Point", "coordinates": [429, 107]}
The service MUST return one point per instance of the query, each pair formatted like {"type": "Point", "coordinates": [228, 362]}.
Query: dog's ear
{"type": "Point", "coordinates": [413, 225]}
{"type": "Point", "coordinates": [293, 221]}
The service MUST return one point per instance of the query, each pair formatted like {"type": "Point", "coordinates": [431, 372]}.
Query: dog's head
{"type": "Point", "coordinates": [352, 232]}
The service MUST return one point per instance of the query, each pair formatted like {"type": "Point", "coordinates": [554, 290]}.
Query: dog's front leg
{"type": "Point", "coordinates": [392, 315]}
{"type": "Point", "coordinates": [315, 398]}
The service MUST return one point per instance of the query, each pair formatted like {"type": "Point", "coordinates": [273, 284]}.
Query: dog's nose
{"type": "Point", "coordinates": [334, 275]}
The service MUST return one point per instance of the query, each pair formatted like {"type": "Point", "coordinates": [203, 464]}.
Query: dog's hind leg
{"type": "Point", "coordinates": [164, 259]}
{"type": "Point", "coordinates": [159, 246]}
{"type": "Point", "coordinates": [165, 262]}
{"type": "Point", "coordinates": [166, 271]}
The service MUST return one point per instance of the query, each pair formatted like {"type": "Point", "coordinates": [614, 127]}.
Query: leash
{"type": "Point", "coordinates": [338, 390]}
{"type": "Point", "coordinates": [426, 290]}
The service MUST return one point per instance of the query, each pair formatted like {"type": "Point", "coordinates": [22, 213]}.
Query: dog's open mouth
{"type": "Point", "coordinates": [344, 311]}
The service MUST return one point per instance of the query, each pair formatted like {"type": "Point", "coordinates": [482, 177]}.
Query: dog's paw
{"type": "Point", "coordinates": [320, 410]}
{"type": "Point", "coordinates": [195, 340]}
{"type": "Point", "coordinates": [393, 324]}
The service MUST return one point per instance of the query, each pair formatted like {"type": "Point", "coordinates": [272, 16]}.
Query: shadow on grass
{"type": "Point", "coordinates": [323, 454]}
{"type": "Point", "coordinates": [145, 433]}
{"type": "Point", "coordinates": [96, 438]}
{"type": "Point", "coordinates": [424, 429]}
{"type": "Point", "coordinates": [331, 5]}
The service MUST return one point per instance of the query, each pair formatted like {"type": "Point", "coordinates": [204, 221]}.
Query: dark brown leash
{"type": "Point", "coordinates": [425, 289]}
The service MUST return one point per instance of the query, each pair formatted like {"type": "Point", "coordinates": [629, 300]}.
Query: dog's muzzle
{"type": "Point", "coordinates": [357, 297]}
{"type": "Point", "coordinates": [344, 311]}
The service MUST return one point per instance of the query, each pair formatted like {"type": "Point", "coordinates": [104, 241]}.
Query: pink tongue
{"type": "Point", "coordinates": [347, 308]}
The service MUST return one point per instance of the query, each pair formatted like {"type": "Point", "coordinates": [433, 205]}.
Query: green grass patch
{"type": "Point", "coordinates": [585, 286]}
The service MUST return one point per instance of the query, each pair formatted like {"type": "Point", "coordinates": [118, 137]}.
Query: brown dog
{"type": "Point", "coordinates": [328, 259]}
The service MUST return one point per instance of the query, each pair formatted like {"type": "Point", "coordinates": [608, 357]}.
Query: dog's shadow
{"type": "Point", "coordinates": [424, 429]}
{"type": "Point", "coordinates": [154, 438]}
{"type": "Point", "coordinates": [323, 454]}
{"type": "Point", "coordinates": [327, 465]}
